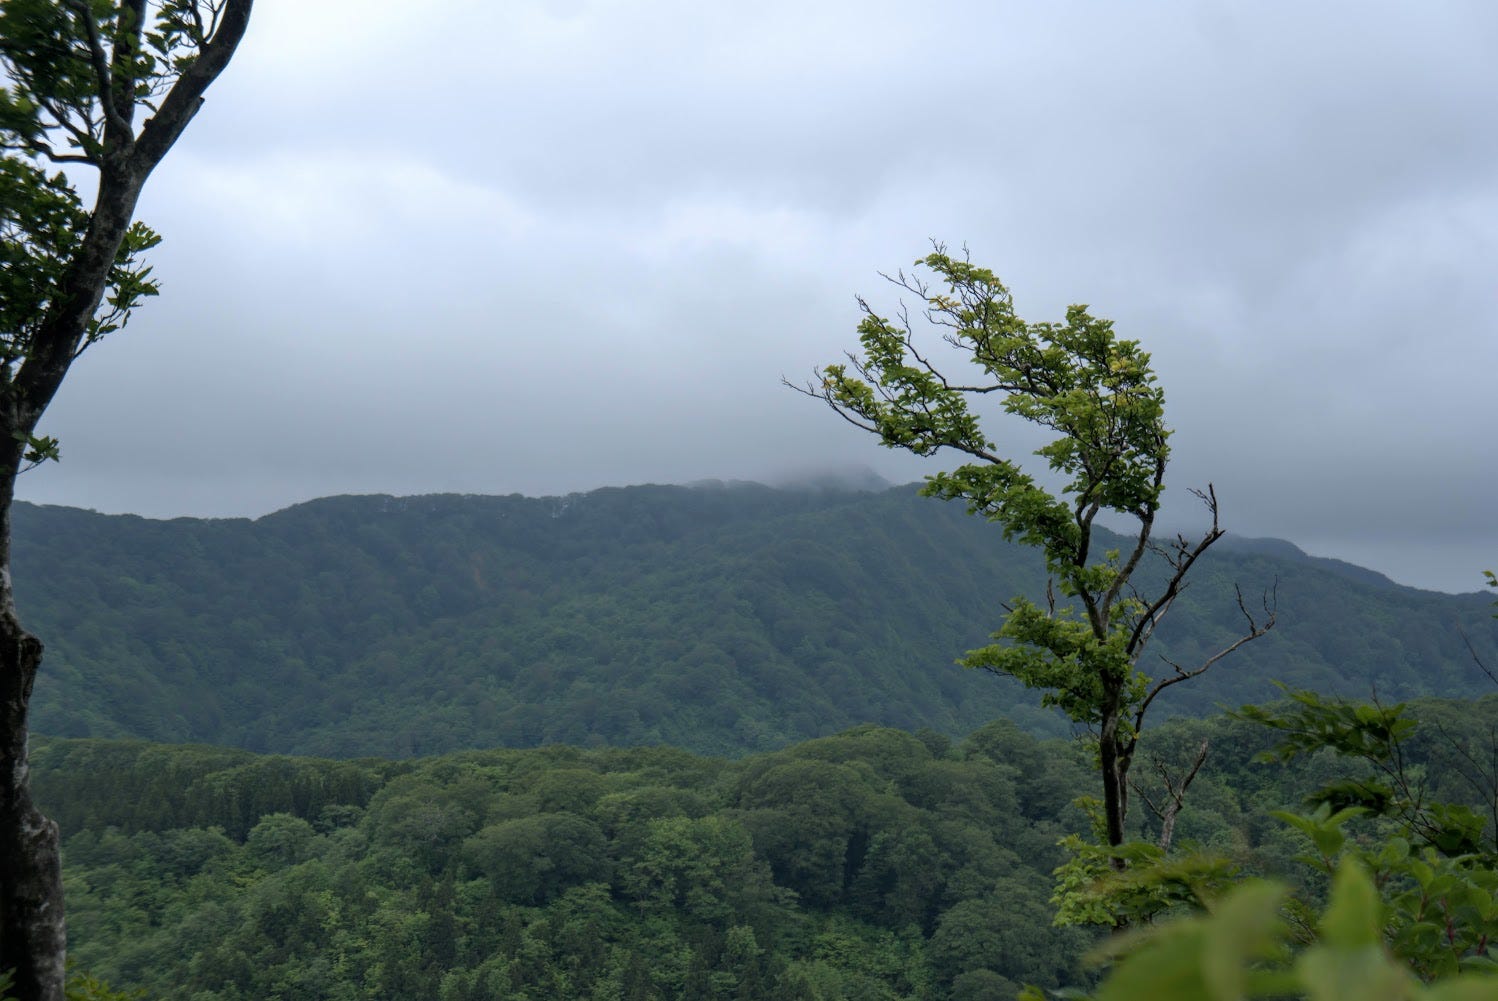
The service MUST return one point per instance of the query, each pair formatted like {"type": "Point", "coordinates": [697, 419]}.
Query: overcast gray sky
{"type": "Point", "coordinates": [540, 247]}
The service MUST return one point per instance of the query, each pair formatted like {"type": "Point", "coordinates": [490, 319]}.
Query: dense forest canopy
{"type": "Point", "coordinates": [871, 864]}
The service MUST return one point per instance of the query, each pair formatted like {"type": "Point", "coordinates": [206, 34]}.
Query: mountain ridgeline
{"type": "Point", "coordinates": [720, 619]}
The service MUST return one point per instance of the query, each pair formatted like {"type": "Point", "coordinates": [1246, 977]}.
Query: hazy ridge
{"type": "Point", "coordinates": [720, 619]}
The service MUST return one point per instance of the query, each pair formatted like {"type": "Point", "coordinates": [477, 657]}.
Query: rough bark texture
{"type": "Point", "coordinates": [1115, 782]}
{"type": "Point", "coordinates": [32, 932]}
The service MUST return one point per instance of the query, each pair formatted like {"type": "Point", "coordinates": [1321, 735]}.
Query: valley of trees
{"type": "Point", "coordinates": [911, 863]}
{"type": "Point", "coordinates": [866, 863]}
{"type": "Point", "coordinates": [871, 864]}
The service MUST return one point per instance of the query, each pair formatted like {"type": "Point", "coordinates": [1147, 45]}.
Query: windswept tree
{"type": "Point", "coordinates": [106, 87]}
{"type": "Point", "coordinates": [1098, 396]}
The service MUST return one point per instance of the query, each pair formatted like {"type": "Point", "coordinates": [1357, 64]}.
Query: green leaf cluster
{"type": "Point", "coordinates": [53, 53]}
{"type": "Point", "coordinates": [1092, 888]}
{"type": "Point", "coordinates": [1397, 896]}
{"type": "Point", "coordinates": [76, 73]}
{"type": "Point", "coordinates": [1095, 391]}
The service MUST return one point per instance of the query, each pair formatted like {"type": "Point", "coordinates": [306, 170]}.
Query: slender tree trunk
{"type": "Point", "coordinates": [1115, 768]}
{"type": "Point", "coordinates": [33, 938]}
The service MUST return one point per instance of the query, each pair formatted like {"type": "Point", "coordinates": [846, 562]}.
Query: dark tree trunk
{"type": "Point", "coordinates": [33, 939]}
{"type": "Point", "coordinates": [1115, 768]}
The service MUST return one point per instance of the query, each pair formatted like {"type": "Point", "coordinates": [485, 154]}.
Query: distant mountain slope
{"type": "Point", "coordinates": [721, 619]}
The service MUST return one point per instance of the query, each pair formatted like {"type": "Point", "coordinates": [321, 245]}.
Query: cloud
{"type": "Point", "coordinates": [544, 246]}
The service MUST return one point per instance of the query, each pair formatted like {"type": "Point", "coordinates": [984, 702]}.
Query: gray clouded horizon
{"type": "Point", "coordinates": [545, 247]}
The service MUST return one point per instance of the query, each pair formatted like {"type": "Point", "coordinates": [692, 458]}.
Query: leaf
{"type": "Point", "coordinates": [1343, 974]}
{"type": "Point", "coordinates": [1353, 918]}
{"type": "Point", "coordinates": [1208, 959]}
{"type": "Point", "coordinates": [1464, 989]}
{"type": "Point", "coordinates": [1350, 961]}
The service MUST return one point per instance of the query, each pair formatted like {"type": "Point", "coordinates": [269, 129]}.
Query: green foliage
{"type": "Point", "coordinates": [704, 868]}
{"type": "Point", "coordinates": [531, 860]}
{"type": "Point", "coordinates": [1204, 959]}
{"type": "Point", "coordinates": [79, 987]}
{"type": "Point", "coordinates": [1093, 889]}
{"type": "Point", "coordinates": [1244, 949]}
{"type": "Point", "coordinates": [1075, 378]}
{"type": "Point", "coordinates": [1433, 863]}
{"type": "Point", "coordinates": [280, 840]}
{"type": "Point", "coordinates": [1317, 723]}
{"type": "Point", "coordinates": [52, 90]}
{"type": "Point", "coordinates": [42, 221]}
{"type": "Point", "coordinates": [673, 877]}
{"type": "Point", "coordinates": [1398, 897]}
{"type": "Point", "coordinates": [1098, 395]}
{"type": "Point", "coordinates": [1377, 736]}
{"type": "Point", "coordinates": [76, 76]}
{"type": "Point", "coordinates": [82, 987]}
{"type": "Point", "coordinates": [852, 866]}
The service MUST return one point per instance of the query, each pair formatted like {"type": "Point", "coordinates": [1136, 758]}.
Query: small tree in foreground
{"type": "Point", "coordinates": [78, 78]}
{"type": "Point", "coordinates": [1098, 395]}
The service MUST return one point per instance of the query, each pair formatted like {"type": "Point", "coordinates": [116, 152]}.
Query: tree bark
{"type": "Point", "coordinates": [1115, 769]}
{"type": "Point", "coordinates": [33, 939]}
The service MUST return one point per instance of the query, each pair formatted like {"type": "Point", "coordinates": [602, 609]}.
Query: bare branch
{"type": "Point", "coordinates": [1181, 563]}
{"type": "Point", "coordinates": [66, 157]}
{"type": "Point", "coordinates": [1175, 790]}
{"type": "Point", "coordinates": [1255, 630]}
{"type": "Point", "coordinates": [129, 28]}
{"type": "Point", "coordinates": [1485, 785]}
{"type": "Point", "coordinates": [83, 136]}
{"type": "Point", "coordinates": [199, 33]}
{"type": "Point", "coordinates": [1476, 658]}
{"type": "Point", "coordinates": [44, 149]}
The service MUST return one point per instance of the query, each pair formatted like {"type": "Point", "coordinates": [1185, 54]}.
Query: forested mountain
{"type": "Point", "coordinates": [720, 619]}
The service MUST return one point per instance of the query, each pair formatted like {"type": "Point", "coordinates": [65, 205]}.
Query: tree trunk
{"type": "Point", "coordinates": [32, 936]}
{"type": "Point", "coordinates": [33, 939]}
{"type": "Point", "coordinates": [1115, 784]}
